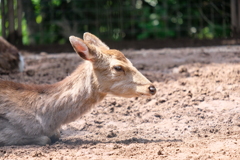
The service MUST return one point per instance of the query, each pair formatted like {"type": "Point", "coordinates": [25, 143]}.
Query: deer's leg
{"type": "Point", "coordinates": [14, 135]}
{"type": "Point", "coordinates": [55, 137]}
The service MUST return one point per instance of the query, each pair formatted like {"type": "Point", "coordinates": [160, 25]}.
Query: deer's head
{"type": "Point", "coordinates": [115, 73]}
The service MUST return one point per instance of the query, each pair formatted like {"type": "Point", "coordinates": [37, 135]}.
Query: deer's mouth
{"type": "Point", "coordinates": [140, 94]}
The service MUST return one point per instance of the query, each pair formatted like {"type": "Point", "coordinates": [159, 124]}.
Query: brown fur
{"type": "Point", "coordinates": [10, 58]}
{"type": "Point", "coordinates": [33, 114]}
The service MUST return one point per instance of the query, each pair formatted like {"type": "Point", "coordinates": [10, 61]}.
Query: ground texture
{"type": "Point", "coordinates": [195, 113]}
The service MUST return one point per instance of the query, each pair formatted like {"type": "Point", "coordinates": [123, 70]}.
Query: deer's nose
{"type": "Point", "coordinates": [152, 90]}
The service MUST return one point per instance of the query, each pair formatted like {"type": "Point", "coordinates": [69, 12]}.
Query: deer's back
{"type": "Point", "coordinates": [20, 88]}
{"type": "Point", "coordinates": [16, 95]}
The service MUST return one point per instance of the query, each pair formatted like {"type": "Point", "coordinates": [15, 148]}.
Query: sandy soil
{"type": "Point", "coordinates": [194, 115]}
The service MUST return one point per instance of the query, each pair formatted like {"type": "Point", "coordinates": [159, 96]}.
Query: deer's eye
{"type": "Point", "coordinates": [118, 68]}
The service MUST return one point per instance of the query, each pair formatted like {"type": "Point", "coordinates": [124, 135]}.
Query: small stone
{"type": "Point", "coordinates": [162, 100]}
{"type": "Point", "coordinates": [30, 72]}
{"type": "Point", "coordinates": [111, 134]}
{"type": "Point", "coordinates": [160, 152]}
{"type": "Point", "coordinates": [157, 115]}
{"type": "Point", "coordinates": [183, 70]}
{"type": "Point", "coordinates": [43, 54]}
{"type": "Point", "coordinates": [190, 94]}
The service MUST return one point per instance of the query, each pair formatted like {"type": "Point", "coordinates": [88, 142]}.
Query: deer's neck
{"type": "Point", "coordinates": [75, 95]}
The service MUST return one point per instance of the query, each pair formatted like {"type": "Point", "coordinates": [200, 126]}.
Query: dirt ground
{"type": "Point", "coordinates": [195, 113]}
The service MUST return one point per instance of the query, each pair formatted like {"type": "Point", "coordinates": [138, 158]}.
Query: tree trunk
{"type": "Point", "coordinates": [3, 18]}
{"type": "Point", "coordinates": [11, 35]}
{"type": "Point", "coordinates": [19, 18]}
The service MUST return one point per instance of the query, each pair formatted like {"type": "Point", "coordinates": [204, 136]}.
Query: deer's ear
{"type": "Point", "coordinates": [81, 48]}
{"type": "Point", "coordinates": [92, 39]}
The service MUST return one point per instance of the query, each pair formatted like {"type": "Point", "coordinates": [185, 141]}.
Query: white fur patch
{"type": "Point", "coordinates": [39, 119]}
{"type": "Point", "coordinates": [21, 63]}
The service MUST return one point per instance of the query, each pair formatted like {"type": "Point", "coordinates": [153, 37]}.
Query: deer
{"type": "Point", "coordinates": [32, 114]}
{"type": "Point", "coordinates": [10, 58]}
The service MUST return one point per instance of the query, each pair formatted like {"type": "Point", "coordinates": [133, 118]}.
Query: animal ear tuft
{"type": "Point", "coordinates": [80, 47]}
{"type": "Point", "coordinates": [92, 39]}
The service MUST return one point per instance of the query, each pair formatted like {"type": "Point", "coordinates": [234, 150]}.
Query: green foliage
{"type": "Point", "coordinates": [206, 33]}
{"type": "Point", "coordinates": [25, 35]}
{"type": "Point", "coordinates": [55, 20]}
{"type": "Point", "coordinates": [0, 25]}
{"type": "Point", "coordinates": [154, 24]}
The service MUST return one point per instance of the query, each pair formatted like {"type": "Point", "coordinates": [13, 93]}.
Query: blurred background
{"type": "Point", "coordinates": [122, 23]}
